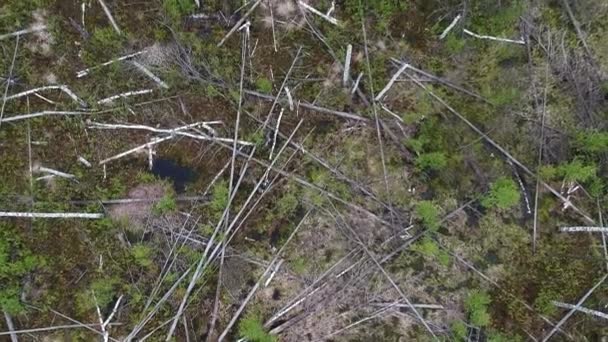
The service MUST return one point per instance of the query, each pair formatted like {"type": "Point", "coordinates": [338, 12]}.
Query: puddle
{"type": "Point", "coordinates": [169, 170]}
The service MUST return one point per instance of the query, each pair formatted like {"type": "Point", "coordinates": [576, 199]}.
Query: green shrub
{"type": "Point", "coordinates": [476, 305]}
{"type": "Point", "coordinates": [251, 328]}
{"type": "Point", "coordinates": [433, 161]}
{"type": "Point", "coordinates": [428, 213]}
{"type": "Point", "coordinates": [165, 205]}
{"type": "Point", "coordinates": [142, 255]}
{"type": "Point", "coordinates": [574, 171]}
{"type": "Point", "coordinates": [428, 247]}
{"type": "Point", "coordinates": [177, 8]}
{"type": "Point", "coordinates": [459, 330]}
{"type": "Point", "coordinates": [577, 171]}
{"type": "Point", "coordinates": [220, 197]}
{"type": "Point", "coordinates": [593, 142]}
{"type": "Point", "coordinates": [15, 262]}
{"type": "Point", "coordinates": [103, 289]}
{"type": "Point", "coordinates": [264, 85]}
{"type": "Point", "coordinates": [503, 194]}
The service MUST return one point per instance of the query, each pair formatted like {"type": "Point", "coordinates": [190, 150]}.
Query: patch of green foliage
{"type": "Point", "coordinates": [574, 171]}
{"type": "Point", "coordinates": [102, 289]}
{"type": "Point", "coordinates": [476, 305]}
{"type": "Point", "coordinates": [263, 85]}
{"type": "Point", "coordinates": [299, 265]}
{"type": "Point", "coordinates": [219, 199]}
{"type": "Point", "coordinates": [496, 18]}
{"type": "Point", "coordinates": [104, 43]}
{"type": "Point", "coordinates": [251, 328]}
{"type": "Point", "coordinates": [503, 194]}
{"type": "Point", "coordinates": [165, 205]}
{"type": "Point", "coordinates": [382, 10]}
{"type": "Point", "coordinates": [15, 262]}
{"type": "Point", "coordinates": [592, 142]}
{"type": "Point", "coordinates": [287, 204]}
{"type": "Point", "coordinates": [432, 161]}
{"type": "Point", "coordinates": [459, 330]}
{"type": "Point", "coordinates": [428, 247]}
{"type": "Point", "coordinates": [428, 213]}
{"type": "Point", "coordinates": [454, 44]}
{"type": "Point", "coordinates": [142, 255]}
{"type": "Point", "coordinates": [175, 9]}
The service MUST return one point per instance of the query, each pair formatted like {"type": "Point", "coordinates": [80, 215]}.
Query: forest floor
{"type": "Point", "coordinates": [315, 170]}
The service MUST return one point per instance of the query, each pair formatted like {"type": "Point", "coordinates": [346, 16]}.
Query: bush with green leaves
{"type": "Point", "coordinates": [264, 85]}
{"type": "Point", "coordinates": [15, 262]}
{"type": "Point", "coordinates": [574, 171]}
{"type": "Point", "coordinates": [592, 142]}
{"type": "Point", "coordinates": [251, 328]}
{"type": "Point", "coordinates": [432, 161]}
{"type": "Point", "coordinates": [476, 305]}
{"type": "Point", "coordinates": [142, 255]}
{"type": "Point", "coordinates": [219, 199]}
{"type": "Point", "coordinates": [428, 247]}
{"type": "Point", "coordinates": [428, 213]}
{"type": "Point", "coordinates": [177, 8]}
{"type": "Point", "coordinates": [103, 290]}
{"type": "Point", "coordinates": [165, 205]}
{"type": "Point", "coordinates": [503, 194]}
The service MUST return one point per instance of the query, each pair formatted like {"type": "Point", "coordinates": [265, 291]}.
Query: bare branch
{"type": "Point", "coordinates": [581, 309]}
{"type": "Point", "coordinates": [576, 307]}
{"type": "Point", "coordinates": [472, 34]}
{"type": "Point", "coordinates": [450, 27]}
{"type": "Point", "coordinates": [106, 10]}
{"type": "Point", "coordinates": [51, 215]}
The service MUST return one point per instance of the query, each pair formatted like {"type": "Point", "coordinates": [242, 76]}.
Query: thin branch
{"type": "Point", "coordinates": [581, 309]}
{"type": "Point", "coordinates": [239, 23]}
{"type": "Point", "coordinates": [32, 29]}
{"type": "Point", "coordinates": [106, 10]}
{"type": "Point", "coordinates": [63, 88]}
{"type": "Point", "coordinates": [51, 215]}
{"type": "Point", "coordinates": [346, 75]}
{"type": "Point", "coordinates": [328, 18]}
{"type": "Point", "coordinates": [11, 327]}
{"type": "Point", "coordinates": [56, 327]}
{"type": "Point", "coordinates": [150, 75]}
{"type": "Point", "coordinates": [574, 309]}
{"type": "Point", "coordinates": [392, 81]}
{"type": "Point", "coordinates": [8, 82]}
{"type": "Point", "coordinates": [450, 27]}
{"type": "Point", "coordinates": [109, 100]}
{"type": "Point", "coordinates": [584, 229]}
{"type": "Point", "coordinates": [85, 72]}
{"type": "Point", "coordinates": [505, 40]}
{"type": "Point", "coordinates": [43, 113]}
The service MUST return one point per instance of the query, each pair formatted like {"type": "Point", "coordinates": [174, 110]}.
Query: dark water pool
{"type": "Point", "coordinates": [179, 175]}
